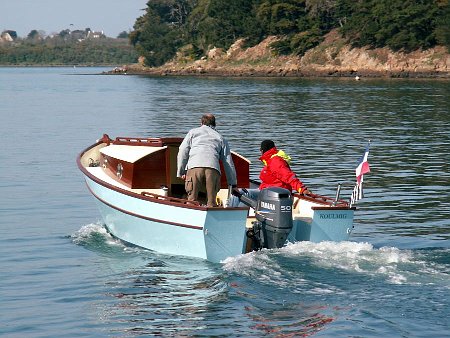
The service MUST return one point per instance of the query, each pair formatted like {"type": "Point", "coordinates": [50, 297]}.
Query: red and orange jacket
{"type": "Point", "coordinates": [277, 173]}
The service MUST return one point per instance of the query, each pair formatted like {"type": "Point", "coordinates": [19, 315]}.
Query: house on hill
{"type": "Point", "coordinates": [78, 35]}
{"type": "Point", "coordinates": [95, 35]}
{"type": "Point", "coordinates": [81, 35]}
{"type": "Point", "coordinates": [8, 36]}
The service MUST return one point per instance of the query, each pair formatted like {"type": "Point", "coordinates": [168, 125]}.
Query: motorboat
{"type": "Point", "coordinates": [142, 202]}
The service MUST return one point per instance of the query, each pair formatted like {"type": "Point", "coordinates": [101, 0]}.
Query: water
{"type": "Point", "coordinates": [62, 275]}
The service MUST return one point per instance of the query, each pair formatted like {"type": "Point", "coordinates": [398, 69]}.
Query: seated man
{"type": "Point", "coordinates": [275, 173]}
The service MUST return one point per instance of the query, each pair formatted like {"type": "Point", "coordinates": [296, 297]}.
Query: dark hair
{"type": "Point", "coordinates": [267, 145]}
{"type": "Point", "coordinates": [209, 120]}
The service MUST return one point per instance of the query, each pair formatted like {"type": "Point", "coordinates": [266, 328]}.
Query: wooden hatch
{"type": "Point", "coordinates": [137, 167]}
{"type": "Point", "coordinates": [149, 165]}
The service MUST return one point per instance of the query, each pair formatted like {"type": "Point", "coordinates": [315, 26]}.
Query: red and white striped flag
{"type": "Point", "coordinates": [361, 169]}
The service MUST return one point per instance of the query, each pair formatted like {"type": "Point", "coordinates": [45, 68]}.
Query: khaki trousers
{"type": "Point", "coordinates": [203, 179]}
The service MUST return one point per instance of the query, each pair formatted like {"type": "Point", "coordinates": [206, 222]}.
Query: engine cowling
{"type": "Point", "coordinates": [274, 212]}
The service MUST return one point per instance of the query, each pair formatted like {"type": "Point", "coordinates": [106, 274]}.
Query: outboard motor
{"type": "Point", "coordinates": [273, 211]}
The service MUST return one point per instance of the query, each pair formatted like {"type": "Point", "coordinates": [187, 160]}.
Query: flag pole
{"type": "Point", "coordinates": [338, 191]}
{"type": "Point", "coordinates": [361, 169]}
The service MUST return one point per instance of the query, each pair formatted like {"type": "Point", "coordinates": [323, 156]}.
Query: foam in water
{"type": "Point", "coordinates": [92, 231]}
{"type": "Point", "coordinates": [397, 266]}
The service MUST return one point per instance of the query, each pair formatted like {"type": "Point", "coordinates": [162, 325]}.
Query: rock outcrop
{"type": "Point", "coordinates": [333, 57]}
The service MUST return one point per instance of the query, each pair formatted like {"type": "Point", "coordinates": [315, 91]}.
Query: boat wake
{"type": "Point", "coordinates": [396, 266]}
{"type": "Point", "coordinates": [92, 231]}
{"type": "Point", "coordinates": [298, 260]}
{"type": "Point", "coordinates": [94, 237]}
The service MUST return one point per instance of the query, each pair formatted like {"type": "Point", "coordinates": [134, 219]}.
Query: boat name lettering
{"type": "Point", "coordinates": [267, 205]}
{"type": "Point", "coordinates": [332, 216]}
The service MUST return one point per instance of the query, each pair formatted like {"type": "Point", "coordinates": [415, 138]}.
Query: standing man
{"type": "Point", "coordinates": [198, 161]}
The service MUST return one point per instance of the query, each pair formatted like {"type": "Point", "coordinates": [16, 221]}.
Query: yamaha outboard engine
{"type": "Point", "coordinates": [273, 211]}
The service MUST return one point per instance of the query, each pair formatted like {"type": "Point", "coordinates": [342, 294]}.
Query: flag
{"type": "Point", "coordinates": [363, 165]}
{"type": "Point", "coordinates": [361, 169]}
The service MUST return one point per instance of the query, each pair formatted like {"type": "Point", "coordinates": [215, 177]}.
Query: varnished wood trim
{"type": "Point", "coordinates": [333, 208]}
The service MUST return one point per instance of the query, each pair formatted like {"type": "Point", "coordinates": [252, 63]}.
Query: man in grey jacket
{"type": "Point", "coordinates": [198, 161]}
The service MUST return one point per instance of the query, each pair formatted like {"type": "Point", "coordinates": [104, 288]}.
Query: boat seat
{"type": "Point", "coordinates": [222, 196]}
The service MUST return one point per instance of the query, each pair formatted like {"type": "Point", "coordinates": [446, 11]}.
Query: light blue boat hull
{"type": "Point", "coordinates": [325, 225]}
{"type": "Point", "coordinates": [212, 235]}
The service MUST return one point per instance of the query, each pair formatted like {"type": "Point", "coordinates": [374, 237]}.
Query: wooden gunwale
{"type": "Point", "coordinates": [150, 197]}
{"type": "Point", "coordinates": [319, 199]}
{"type": "Point", "coordinates": [183, 225]}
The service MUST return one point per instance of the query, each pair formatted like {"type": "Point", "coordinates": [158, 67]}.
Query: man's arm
{"type": "Point", "coordinates": [284, 173]}
{"type": "Point", "coordinates": [183, 156]}
{"type": "Point", "coordinates": [228, 164]}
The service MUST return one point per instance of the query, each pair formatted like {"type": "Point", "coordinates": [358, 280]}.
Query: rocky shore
{"type": "Point", "coordinates": [332, 58]}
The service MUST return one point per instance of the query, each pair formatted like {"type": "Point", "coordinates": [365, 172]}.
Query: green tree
{"type": "Point", "coordinates": [230, 20]}
{"type": "Point", "coordinates": [56, 51]}
{"type": "Point", "coordinates": [299, 28]}
{"type": "Point", "coordinates": [123, 35]}
{"type": "Point", "coordinates": [442, 30]}
{"type": "Point", "coordinates": [281, 17]}
{"type": "Point", "coordinates": [34, 35]}
{"type": "Point", "coordinates": [169, 25]}
{"type": "Point", "coordinates": [198, 26]}
{"type": "Point", "coordinates": [160, 32]}
{"type": "Point", "coordinates": [398, 24]}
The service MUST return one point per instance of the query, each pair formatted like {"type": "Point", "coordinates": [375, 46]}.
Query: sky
{"type": "Point", "coordinates": [52, 16]}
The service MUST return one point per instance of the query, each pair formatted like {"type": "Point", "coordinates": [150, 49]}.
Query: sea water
{"type": "Point", "coordinates": [63, 275]}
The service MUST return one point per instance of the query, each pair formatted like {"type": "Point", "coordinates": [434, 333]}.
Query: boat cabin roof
{"type": "Point", "coordinates": [127, 153]}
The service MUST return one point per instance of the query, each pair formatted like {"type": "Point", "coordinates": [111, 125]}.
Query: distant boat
{"type": "Point", "coordinates": [143, 203]}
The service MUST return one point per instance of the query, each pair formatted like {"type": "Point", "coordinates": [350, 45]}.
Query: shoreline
{"type": "Point", "coordinates": [271, 72]}
{"type": "Point", "coordinates": [57, 66]}
{"type": "Point", "coordinates": [250, 72]}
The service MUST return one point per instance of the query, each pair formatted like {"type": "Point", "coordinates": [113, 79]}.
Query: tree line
{"type": "Point", "coordinates": [192, 27]}
{"type": "Point", "coordinates": [67, 48]}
